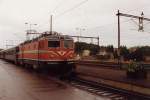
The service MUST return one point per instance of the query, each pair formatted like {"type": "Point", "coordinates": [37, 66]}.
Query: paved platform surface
{"type": "Point", "coordinates": [112, 74]}
{"type": "Point", "coordinates": [21, 84]}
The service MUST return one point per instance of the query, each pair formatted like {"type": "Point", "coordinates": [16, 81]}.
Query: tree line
{"type": "Point", "coordinates": [133, 53]}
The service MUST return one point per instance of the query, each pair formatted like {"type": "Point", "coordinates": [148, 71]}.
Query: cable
{"type": "Point", "coordinates": [124, 21]}
{"type": "Point", "coordinates": [68, 10]}
{"type": "Point", "coordinates": [109, 24]}
{"type": "Point", "coordinates": [57, 6]}
{"type": "Point", "coordinates": [144, 6]}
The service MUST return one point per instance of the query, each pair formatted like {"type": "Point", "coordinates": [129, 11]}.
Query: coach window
{"type": "Point", "coordinates": [68, 44]}
{"type": "Point", "coordinates": [53, 44]}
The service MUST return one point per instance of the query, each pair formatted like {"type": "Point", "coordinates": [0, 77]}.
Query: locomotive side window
{"type": "Point", "coordinates": [68, 43]}
{"type": "Point", "coordinates": [53, 44]}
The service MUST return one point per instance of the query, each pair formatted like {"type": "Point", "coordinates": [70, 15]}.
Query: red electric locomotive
{"type": "Point", "coordinates": [46, 51]}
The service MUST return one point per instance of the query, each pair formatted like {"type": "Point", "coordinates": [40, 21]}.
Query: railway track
{"type": "Point", "coordinates": [107, 91]}
{"type": "Point", "coordinates": [98, 91]}
{"type": "Point", "coordinates": [113, 65]}
{"type": "Point", "coordinates": [101, 64]}
{"type": "Point", "coordinates": [102, 90]}
{"type": "Point", "coordinates": [92, 88]}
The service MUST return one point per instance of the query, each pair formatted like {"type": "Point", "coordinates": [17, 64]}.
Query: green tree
{"type": "Point", "coordinates": [80, 46]}
{"type": "Point", "coordinates": [124, 52]}
{"type": "Point", "coordinates": [110, 48]}
{"type": "Point", "coordinates": [137, 55]}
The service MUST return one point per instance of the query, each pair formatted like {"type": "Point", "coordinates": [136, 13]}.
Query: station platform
{"type": "Point", "coordinates": [18, 83]}
{"type": "Point", "coordinates": [114, 77]}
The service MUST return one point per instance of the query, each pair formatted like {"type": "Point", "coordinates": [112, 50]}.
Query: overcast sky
{"type": "Point", "coordinates": [97, 17]}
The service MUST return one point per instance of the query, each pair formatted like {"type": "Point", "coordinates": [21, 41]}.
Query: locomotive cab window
{"type": "Point", "coordinates": [53, 44]}
{"type": "Point", "coordinates": [68, 44]}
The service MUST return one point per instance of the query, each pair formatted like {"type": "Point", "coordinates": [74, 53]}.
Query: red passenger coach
{"type": "Point", "coordinates": [46, 51]}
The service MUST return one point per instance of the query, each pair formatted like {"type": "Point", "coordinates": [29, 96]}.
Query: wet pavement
{"type": "Point", "coordinates": [17, 83]}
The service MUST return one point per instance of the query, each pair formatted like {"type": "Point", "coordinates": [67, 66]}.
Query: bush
{"type": "Point", "coordinates": [136, 70]}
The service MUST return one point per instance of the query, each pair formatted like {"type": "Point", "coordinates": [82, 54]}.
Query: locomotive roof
{"type": "Point", "coordinates": [49, 36]}
{"type": "Point", "coordinates": [9, 49]}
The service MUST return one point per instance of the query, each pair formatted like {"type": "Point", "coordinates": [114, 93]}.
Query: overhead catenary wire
{"type": "Point", "coordinates": [144, 6]}
{"type": "Point", "coordinates": [78, 5]}
{"type": "Point", "coordinates": [108, 24]}
{"type": "Point", "coordinates": [70, 9]}
{"type": "Point", "coordinates": [57, 6]}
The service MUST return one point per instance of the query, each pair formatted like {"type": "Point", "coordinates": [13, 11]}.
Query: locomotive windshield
{"type": "Point", "coordinates": [53, 44]}
{"type": "Point", "coordinates": [68, 43]}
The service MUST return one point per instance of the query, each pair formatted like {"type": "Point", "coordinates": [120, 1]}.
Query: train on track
{"type": "Point", "coordinates": [54, 51]}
